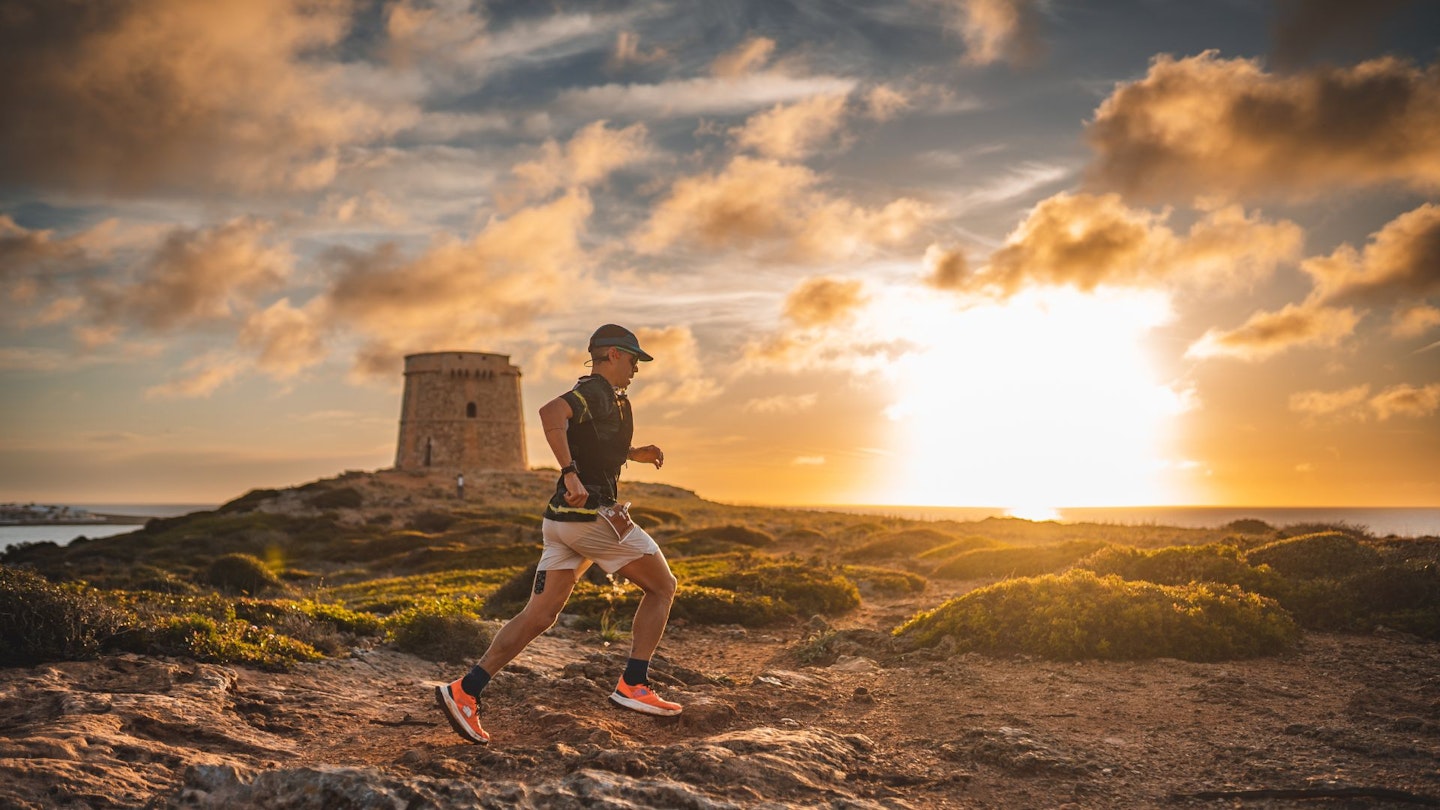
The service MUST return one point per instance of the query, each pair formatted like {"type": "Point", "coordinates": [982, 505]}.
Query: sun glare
{"type": "Point", "coordinates": [1042, 401]}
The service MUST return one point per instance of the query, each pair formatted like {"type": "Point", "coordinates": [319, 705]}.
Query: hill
{"type": "Point", "coordinates": [281, 650]}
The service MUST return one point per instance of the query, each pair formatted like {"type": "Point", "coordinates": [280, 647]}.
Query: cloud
{"type": "Point", "coordinates": [1001, 30]}
{"type": "Point", "coordinates": [1401, 260]}
{"type": "Point", "coordinates": [781, 404]}
{"type": "Point", "coordinates": [883, 103]}
{"type": "Point", "coordinates": [1346, 404]}
{"type": "Point", "coordinates": [200, 376]}
{"type": "Point", "coordinates": [458, 293]}
{"type": "Point", "coordinates": [1406, 400]}
{"type": "Point", "coordinates": [1086, 241]}
{"type": "Point", "coordinates": [683, 98]}
{"type": "Point", "coordinates": [776, 210]}
{"type": "Point", "coordinates": [627, 52]}
{"type": "Point", "coordinates": [157, 94]}
{"type": "Point", "coordinates": [795, 130]}
{"type": "Point", "coordinates": [1204, 125]}
{"type": "Point", "coordinates": [592, 154]}
{"type": "Point", "coordinates": [197, 276]}
{"type": "Point", "coordinates": [1356, 404]}
{"type": "Point", "coordinates": [823, 301]}
{"type": "Point", "coordinates": [745, 58]}
{"type": "Point", "coordinates": [808, 461]}
{"type": "Point", "coordinates": [286, 340]}
{"type": "Point", "coordinates": [676, 378]}
{"type": "Point", "coordinates": [1268, 333]}
{"type": "Point", "coordinates": [1303, 27]}
{"type": "Point", "coordinates": [1414, 320]}
{"type": "Point", "coordinates": [945, 269]}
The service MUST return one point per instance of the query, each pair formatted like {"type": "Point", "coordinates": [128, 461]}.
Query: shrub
{"type": "Point", "coordinates": [1332, 555]}
{"type": "Point", "coordinates": [904, 543]}
{"type": "Point", "coordinates": [248, 501]}
{"type": "Point", "coordinates": [158, 580]}
{"type": "Point", "coordinates": [1181, 565]}
{"type": "Point", "coordinates": [704, 605]}
{"type": "Point", "coordinates": [338, 498]}
{"type": "Point", "coordinates": [805, 535]}
{"type": "Point", "coordinates": [739, 535]}
{"type": "Point", "coordinates": [883, 581]}
{"type": "Point", "coordinates": [1339, 527]}
{"type": "Point", "coordinates": [343, 618]}
{"type": "Point", "coordinates": [241, 573]}
{"type": "Point", "coordinates": [432, 522]}
{"type": "Point", "coordinates": [445, 630]}
{"type": "Point", "coordinates": [41, 621]}
{"type": "Point", "coordinates": [958, 547]}
{"type": "Point", "coordinates": [227, 641]}
{"type": "Point", "coordinates": [1249, 526]}
{"type": "Point", "coordinates": [804, 588]}
{"type": "Point", "coordinates": [1080, 615]}
{"type": "Point", "coordinates": [648, 517]}
{"type": "Point", "coordinates": [1015, 562]}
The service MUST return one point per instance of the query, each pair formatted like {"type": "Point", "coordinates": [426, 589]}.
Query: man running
{"type": "Point", "coordinates": [589, 429]}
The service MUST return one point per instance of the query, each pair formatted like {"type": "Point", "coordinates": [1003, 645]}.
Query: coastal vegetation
{"type": "Point", "coordinates": [276, 578]}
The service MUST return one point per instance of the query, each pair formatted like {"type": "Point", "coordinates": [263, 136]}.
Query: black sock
{"type": "Point", "coordinates": [636, 671]}
{"type": "Point", "coordinates": [475, 682]}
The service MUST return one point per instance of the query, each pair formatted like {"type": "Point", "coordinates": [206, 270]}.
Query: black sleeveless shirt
{"type": "Point", "coordinates": [599, 435]}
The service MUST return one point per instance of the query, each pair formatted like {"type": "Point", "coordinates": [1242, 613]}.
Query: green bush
{"type": "Point", "coordinates": [432, 522]}
{"type": "Point", "coordinates": [1181, 565]}
{"type": "Point", "coordinates": [241, 573]}
{"type": "Point", "coordinates": [342, 618]}
{"type": "Point", "coordinates": [1249, 526]}
{"type": "Point", "coordinates": [338, 498]}
{"type": "Point", "coordinates": [648, 517]}
{"type": "Point", "coordinates": [883, 581]}
{"type": "Point", "coordinates": [1332, 555]}
{"type": "Point", "coordinates": [805, 588]}
{"type": "Point", "coordinates": [702, 605]}
{"type": "Point", "coordinates": [739, 535]}
{"type": "Point", "coordinates": [1079, 615]}
{"type": "Point", "coordinates": [445, 630]}
{"type": "Point", "coordinates": [958, 547]}
{"type": "Point", "coordinates": [41, 621]}
{"type": "Point", "coordinates": [903, 543]}
{"type": "Point", "coordinates": [226, 641]}
{"type": "Point", "coordinates": [1015, 562]}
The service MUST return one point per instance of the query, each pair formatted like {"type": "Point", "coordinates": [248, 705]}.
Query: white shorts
{"type": "Point", "coordinates": [569, 544]}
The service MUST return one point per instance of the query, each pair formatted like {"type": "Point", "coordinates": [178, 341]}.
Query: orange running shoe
{"type": "Point", "coordinates": [642, 698]}
{"type": "Point", "coordinates": [462, 711]}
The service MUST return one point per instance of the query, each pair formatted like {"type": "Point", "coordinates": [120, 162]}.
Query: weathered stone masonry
{"type": "Point", "coordinates": [461, 411]}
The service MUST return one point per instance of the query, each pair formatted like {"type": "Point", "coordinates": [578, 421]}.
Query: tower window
{"type": "Point", "coordinates": [470, 410]}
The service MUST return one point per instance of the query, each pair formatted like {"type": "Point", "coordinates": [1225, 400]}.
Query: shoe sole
{"type": "Point", "coordinates": [644, 708]}
{"type": "Point", "coordinates": [452, 713]}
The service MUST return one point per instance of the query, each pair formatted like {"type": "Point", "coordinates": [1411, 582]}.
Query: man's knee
{"type": "Point", "coordinates": [663, 587]}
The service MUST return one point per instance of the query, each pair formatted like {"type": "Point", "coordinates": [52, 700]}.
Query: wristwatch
{"type": "Point", "coordinates": [569, 468]}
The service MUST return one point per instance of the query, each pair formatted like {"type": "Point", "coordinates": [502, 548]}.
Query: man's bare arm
{"type": "Point", "coordinates": [554, 416]}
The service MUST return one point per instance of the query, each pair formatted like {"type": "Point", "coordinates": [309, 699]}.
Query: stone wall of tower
{"type": "Point", "coordinates": [461, 411]}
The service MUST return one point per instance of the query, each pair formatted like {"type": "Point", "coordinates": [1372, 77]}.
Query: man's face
{"type": "Point", "coordinates": [628, 363]}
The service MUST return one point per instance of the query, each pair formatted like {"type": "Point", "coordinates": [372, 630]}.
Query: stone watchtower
{"type": "Point", "coordinates": [461, 411]}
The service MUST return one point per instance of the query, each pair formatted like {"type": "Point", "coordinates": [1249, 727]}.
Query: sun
{"type": "Point", "coordinates": [1045, 400]}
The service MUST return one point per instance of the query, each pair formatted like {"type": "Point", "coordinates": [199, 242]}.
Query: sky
{"type": "Point", "coordinates": [1005, 253]}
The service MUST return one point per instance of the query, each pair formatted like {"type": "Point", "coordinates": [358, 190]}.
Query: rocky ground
{"type": "Point", "coordinates": [864, 727]}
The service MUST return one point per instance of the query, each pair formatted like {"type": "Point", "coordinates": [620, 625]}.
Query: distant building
{"type": "Point", "coordinates": [461, 411]}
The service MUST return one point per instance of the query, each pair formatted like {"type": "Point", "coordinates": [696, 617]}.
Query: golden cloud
{"type": "Point", "coordinates": [823, 301]}
{"type": "Point", "coordinates": [286, 340]}
{"type": "Point", "coordinates": [1407, 400]}
{"type": "Point", "coordinates": [200, 376]}
{"type": "Point", "coordinates": [1414, 320]}
{"type": "Point", "coordinates": [790, 131]}
{"type": "Point", "coordinates": [1348, 403]}
{"type": "Point", "coordinates": [775, 209]}
{"type": "Point", "coordinates": [883, 103]}
{"type": "Point", "coordinates": [627, 52]}
{"type": "Point", "coordinates": [945, 269]}
{"type": "Point", "coordinates": [747, 57]}
{"type": "Point", "coordinates": [461, 292]}
{"type": "Point", "coordinates": [195, 276]}
{"type": "Point", "coordinates": [592, 154]}
{"type": "Point", "coordinates": [1401, 260]}
{"type": "Point", "coordinates": [676, 377]}
{"type": "Point", "coordinates": [1268, 333]}
{"type": "Point", "coordinates": [1086, 241]}
{"type": "Point", "coordinates": [781, 403]}
{"type": "Point", "coordinates": [1207, 126]}
{"type": "Point", "coordinates": [133, 96]}
{"type": "Point", "coordinates": [996, 30]}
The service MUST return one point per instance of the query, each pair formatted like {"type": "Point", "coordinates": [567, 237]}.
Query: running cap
{"type": "Point", "coordinates": [618, 336]}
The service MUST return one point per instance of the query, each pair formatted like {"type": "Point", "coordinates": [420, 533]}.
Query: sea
{"type": "Point", "coordinates": [1380, 521]}
{"type": "Point", "coordinates": [62, 533]}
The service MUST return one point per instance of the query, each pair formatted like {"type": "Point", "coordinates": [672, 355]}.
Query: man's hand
{"type": "Point", "coordinates": [649, 454]}
{"type": "Point", "coordinates": [575, 493]}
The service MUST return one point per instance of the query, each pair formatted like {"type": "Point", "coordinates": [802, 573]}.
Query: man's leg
{"type": "Point", "coordinates": [652, 574]}
{"type": "Point", "coordinates": [459, 700]}
{"type": "Point", "coordinates": [547, 598]}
